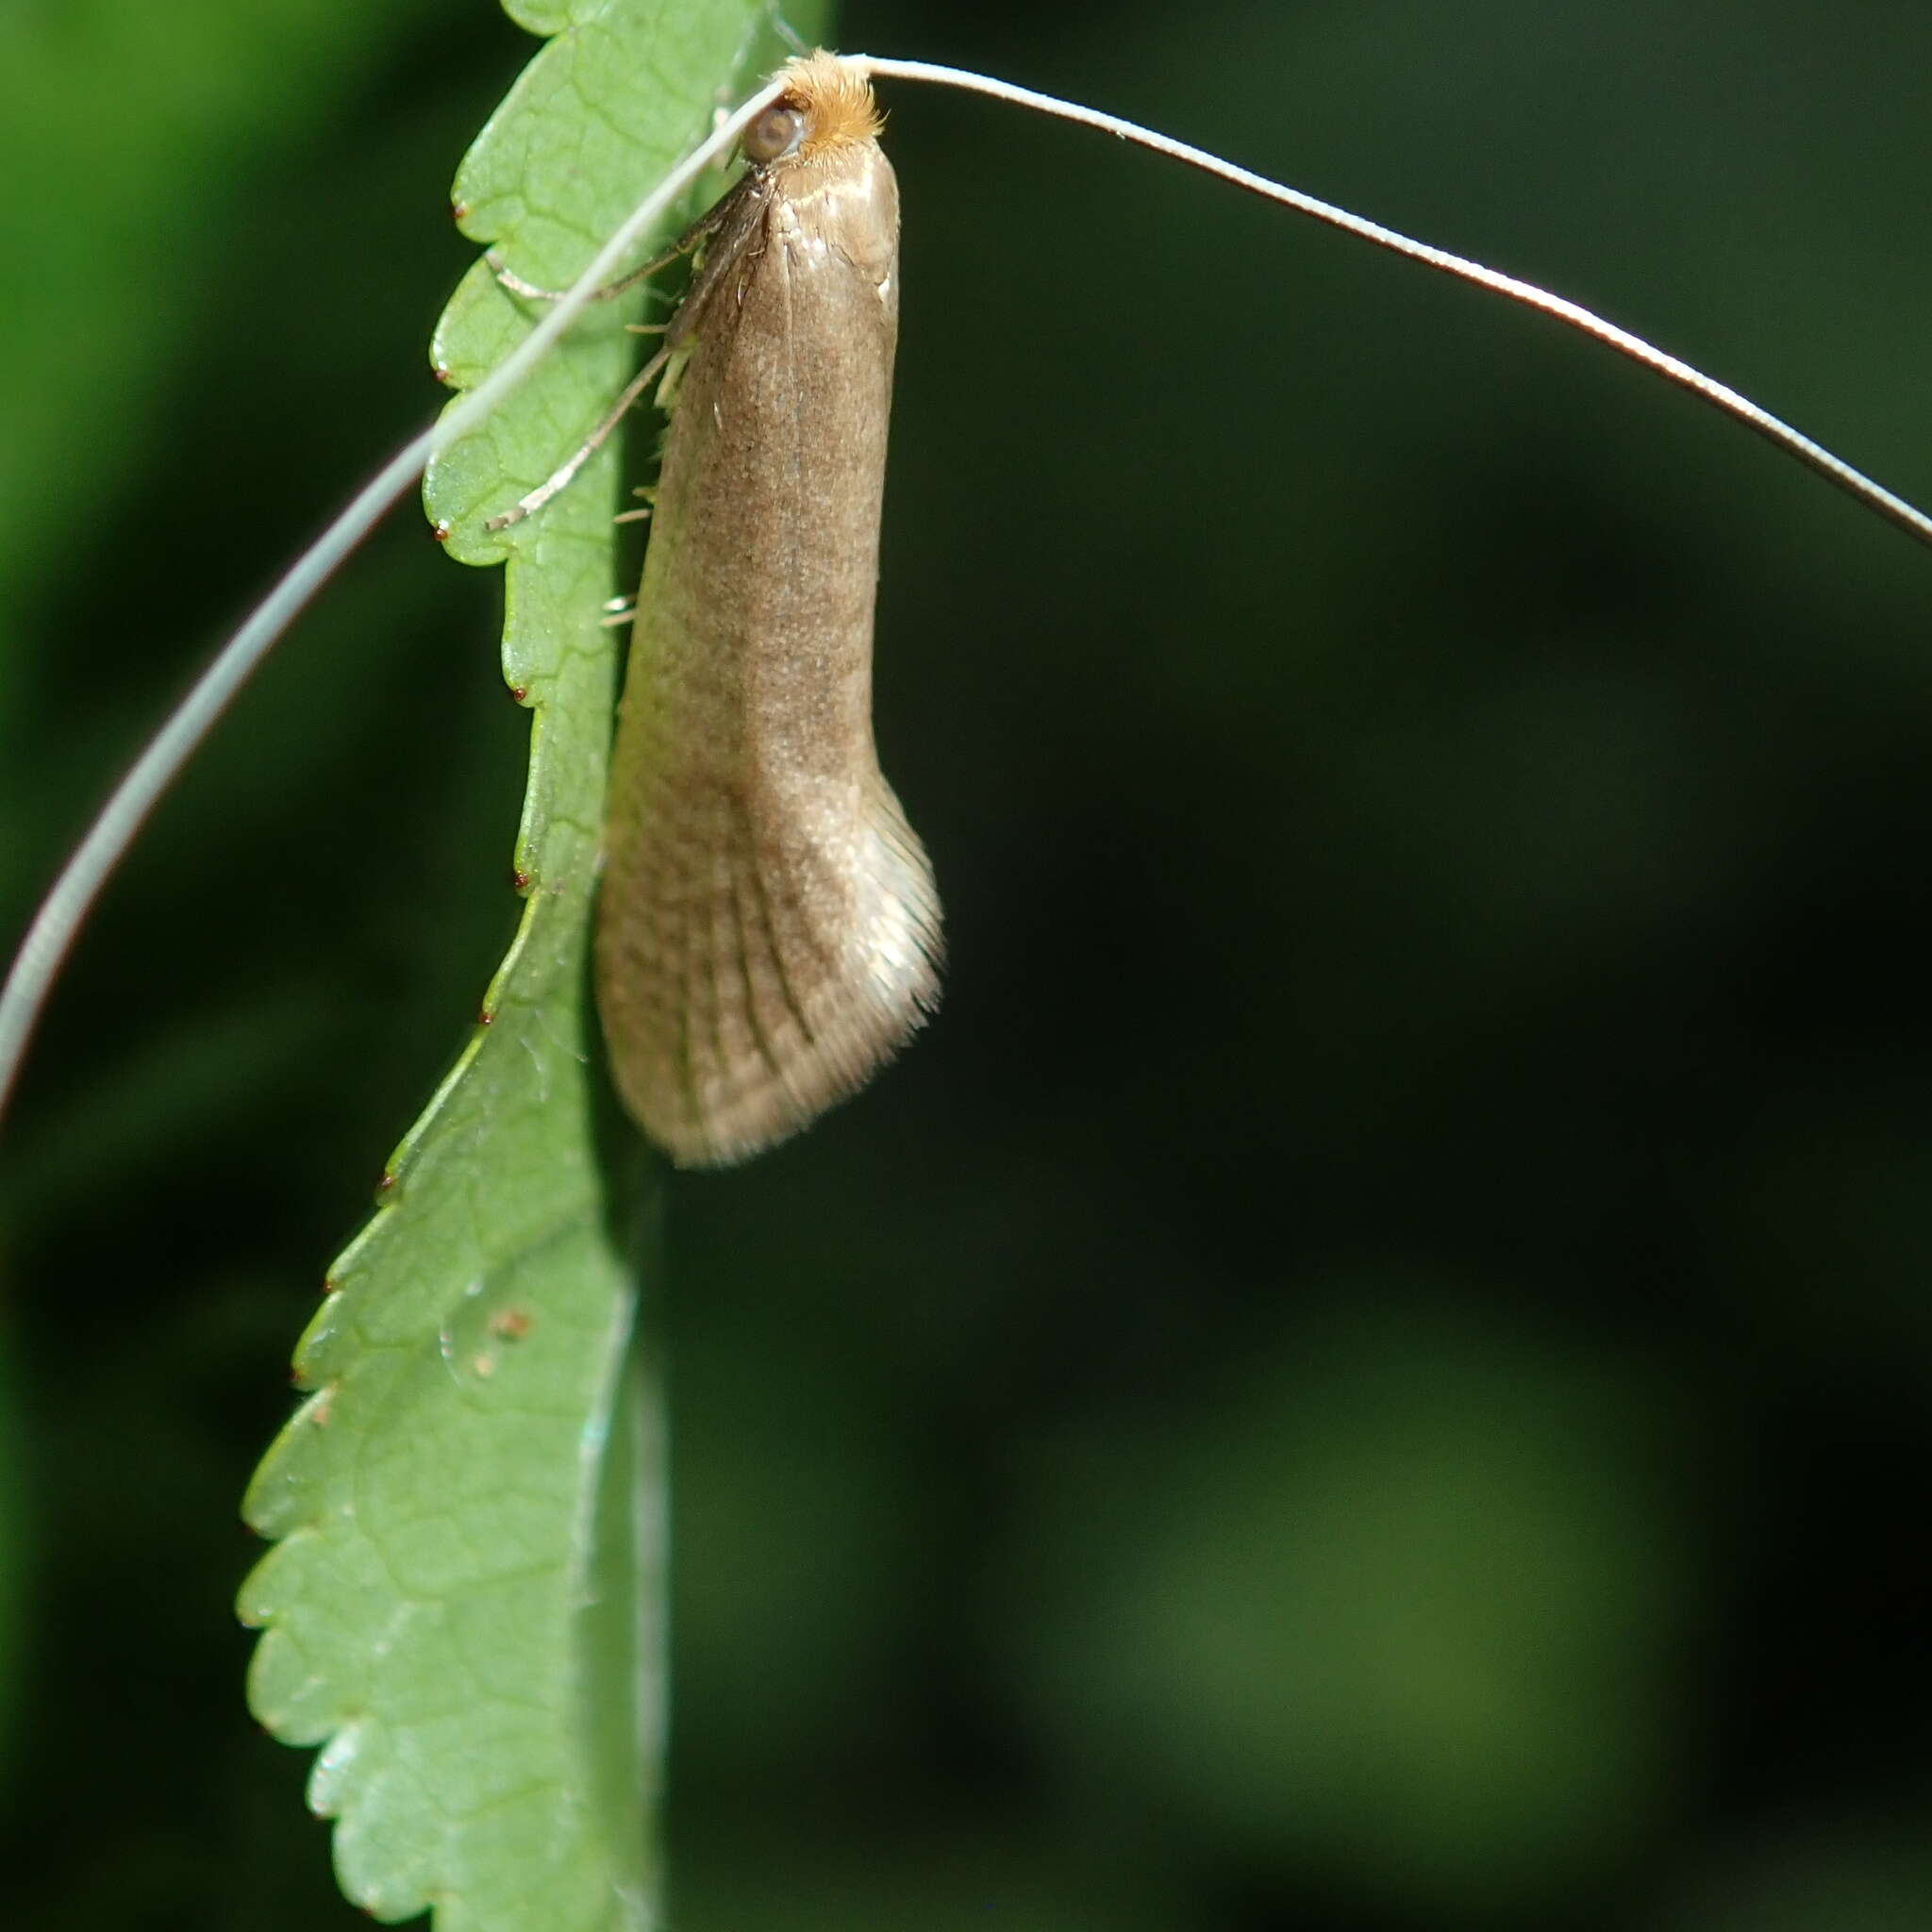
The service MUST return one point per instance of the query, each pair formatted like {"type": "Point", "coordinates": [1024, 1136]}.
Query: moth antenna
{"type": "Point", "coordinates": [788, 33]}
{"type": "Point", "coordinates": [56, 923]}
{"type": "Point", "coordinates": [1775, 430]}
{"type": "Point", "coordinates": [75, 887]}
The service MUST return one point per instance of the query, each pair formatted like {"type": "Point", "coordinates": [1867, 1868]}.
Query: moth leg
{"type": "Point", "coordinates": [683, 245]}
{"type": "Point", "coordinates": [517, 286]}
{"type": "Point", "coordinates": [559, 478]}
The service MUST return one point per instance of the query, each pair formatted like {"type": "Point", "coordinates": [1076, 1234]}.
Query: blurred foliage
{"type": "Point", "coordinates": [1395, 1599]}
{"type": "Point", "coordinates": [1370, 1371]}
{"type": "Point", "coordinates": [16, 1484]}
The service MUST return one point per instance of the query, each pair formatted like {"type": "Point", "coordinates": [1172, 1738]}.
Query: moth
{"type": "Point", "coordinates": [768, 927]}
{"type": "Point", "coordinates": [769, 931]}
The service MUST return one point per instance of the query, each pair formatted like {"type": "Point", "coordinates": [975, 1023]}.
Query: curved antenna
{"type": "Point", "coordinates": [78, 885]}
{"type": "Point", "coordinates": [71, 896]}
{"type": "Point", "coordinates": [1855, 483]}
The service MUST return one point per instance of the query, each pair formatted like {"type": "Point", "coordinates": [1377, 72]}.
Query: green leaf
{"type": "Point", "coordinates": [464, 1606]}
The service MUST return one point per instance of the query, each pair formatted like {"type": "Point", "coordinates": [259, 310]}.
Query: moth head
{"type": "Point", "coordinates": [826, 106]}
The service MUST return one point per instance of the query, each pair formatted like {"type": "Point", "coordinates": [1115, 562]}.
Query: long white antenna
{"type": "Point", "coordinates": [1895, 509]}
{"type": "Point", "coordinates": [73, 891]}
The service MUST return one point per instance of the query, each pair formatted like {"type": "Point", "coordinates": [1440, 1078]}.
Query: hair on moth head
{"type": "Point", "coordinates": [834, 104]}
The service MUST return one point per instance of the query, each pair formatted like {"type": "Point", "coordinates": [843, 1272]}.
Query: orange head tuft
{"type": "Point", "coordinates": [834, 100]}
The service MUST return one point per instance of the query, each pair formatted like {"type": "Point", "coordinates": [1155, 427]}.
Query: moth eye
{"type": "Point", "coordinates": [775, 134]}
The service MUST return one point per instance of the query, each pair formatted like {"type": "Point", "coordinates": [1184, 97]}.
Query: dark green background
{"type": "Point", "coordinates": [1370, 1373]}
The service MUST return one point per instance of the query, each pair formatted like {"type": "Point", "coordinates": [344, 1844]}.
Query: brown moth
{"type": "Point", "coordinates": [768, 931]}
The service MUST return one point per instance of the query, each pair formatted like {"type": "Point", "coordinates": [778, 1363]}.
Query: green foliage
{"type": "Point", "coordinates": [13, 1555]}
{"type": "Point", "coordinates": [464, 1606]}
{"type": "Point", "coordinates": [134, 196]}
{"type": "Point", "coordinates": [190, 85]}
{"type": "Point", "coordinates": [1367, 1616]}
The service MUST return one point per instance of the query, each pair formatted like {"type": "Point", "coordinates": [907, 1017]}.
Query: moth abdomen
{"type": "Point", "coordinates": [759, 976]}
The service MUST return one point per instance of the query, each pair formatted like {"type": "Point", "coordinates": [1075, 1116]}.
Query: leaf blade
{"type": "Point", "coordinates": [462, 1607]}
